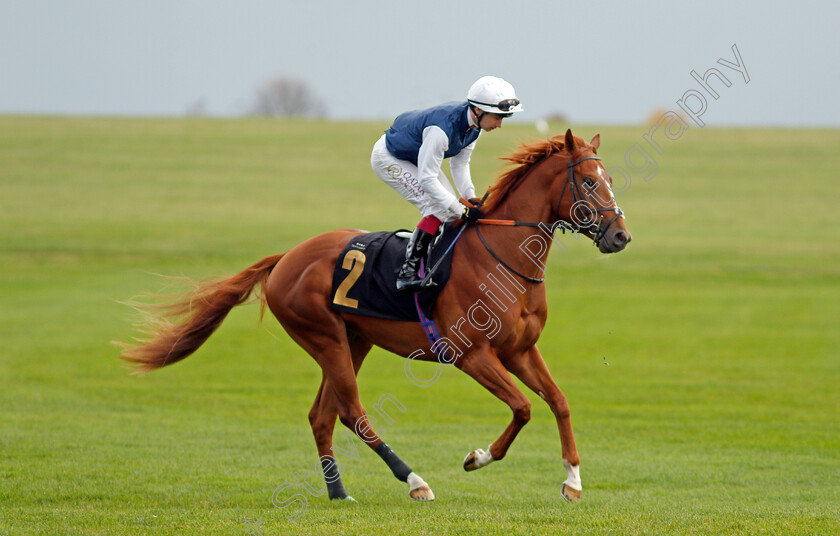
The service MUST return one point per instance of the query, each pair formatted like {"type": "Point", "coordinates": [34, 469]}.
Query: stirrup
{"type": "Point", "coordinates": [409, 284]}
{"type": "Point", "coordinates": [428, 283]}
{"type": "Point", "coordinates": [415, 284]}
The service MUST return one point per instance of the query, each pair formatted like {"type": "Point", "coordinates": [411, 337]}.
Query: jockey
{"type": "Point", "coordinates": [409, 155]}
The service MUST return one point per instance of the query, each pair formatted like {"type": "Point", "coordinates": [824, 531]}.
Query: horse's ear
{"type": "Point", "coordinates": [596, 142]}
{"type": "Point", "coordinates": [570, 141]}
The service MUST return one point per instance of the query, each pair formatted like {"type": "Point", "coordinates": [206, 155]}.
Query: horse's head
{"type": "Point", "coordinates": [586, 199]}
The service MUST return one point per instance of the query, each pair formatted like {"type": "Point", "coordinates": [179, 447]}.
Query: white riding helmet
{"type": "Point", "coordinates": [495, 95]}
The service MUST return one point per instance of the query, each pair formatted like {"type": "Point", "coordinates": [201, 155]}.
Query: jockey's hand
{"type": "Point", "coordinates": [474, 201]}
{"type": "Point", "coordinates": [471, 214]}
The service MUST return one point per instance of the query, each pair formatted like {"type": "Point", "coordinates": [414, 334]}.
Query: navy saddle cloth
{"type": "Point", "coordinates": [365, 276]}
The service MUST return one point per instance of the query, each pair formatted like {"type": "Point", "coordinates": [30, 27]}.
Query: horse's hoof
{"type": "Point", "coordinates": [423, 493]}
{"type": "Point", "coordinates": [477, 459]}
{"type": "Point", "coordinates": [348, 499]}
{"type": "Point", "coordinates": [469, 461]}
{"type": "Point", "coordinates": [570, 494]}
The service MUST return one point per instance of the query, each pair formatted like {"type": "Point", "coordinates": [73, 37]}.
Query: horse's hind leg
{"type": "Point", "coordinates": [297, 292]}
{"type": "Point", "coordinates": [338, 358]}
{"type": "Point", "coordinates": [532, 370]}
{"type": "Point", "coordinates": [340, 396]}
{"type": "Point", "coordinates": [322, 418]}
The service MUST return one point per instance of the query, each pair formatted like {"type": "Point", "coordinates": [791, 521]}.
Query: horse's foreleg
{"type": "Point", "coordinates": [532, 370]}
{"type": "Point", "coordinates": [487, 370]}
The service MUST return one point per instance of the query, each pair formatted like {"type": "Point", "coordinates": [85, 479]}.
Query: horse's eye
{"type": "Point", "coordinates": [589, 182]}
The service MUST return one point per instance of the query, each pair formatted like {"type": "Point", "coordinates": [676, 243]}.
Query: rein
{"type": "Point", "coordinates": [578, 203]}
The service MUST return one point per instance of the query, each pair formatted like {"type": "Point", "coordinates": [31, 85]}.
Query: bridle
{"type": "Point", "coordinates": [578, 205]}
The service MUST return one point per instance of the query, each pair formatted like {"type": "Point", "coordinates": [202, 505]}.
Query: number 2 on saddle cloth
{"type": "Point", "coordinates": [365, 277]}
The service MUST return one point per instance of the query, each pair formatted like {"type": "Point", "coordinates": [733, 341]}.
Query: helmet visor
{"type": "Point", "coordinates": [505, 106]}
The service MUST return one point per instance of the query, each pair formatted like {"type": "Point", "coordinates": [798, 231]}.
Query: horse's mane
{"type": "Point", "coordinates": [526, 155]}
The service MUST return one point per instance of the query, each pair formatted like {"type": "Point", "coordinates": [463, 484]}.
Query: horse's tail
{"type": "Point", "coordinates": [201, 312]}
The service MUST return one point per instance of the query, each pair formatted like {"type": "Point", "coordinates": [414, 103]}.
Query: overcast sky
{"type": "Point", "coordinates": [594, 62]}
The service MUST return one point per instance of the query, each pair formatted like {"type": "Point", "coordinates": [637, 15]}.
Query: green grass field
{"type": "Point", "coordinates": [717, 412]}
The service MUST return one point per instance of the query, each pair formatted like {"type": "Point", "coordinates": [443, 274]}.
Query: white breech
{"type": "Point", "coordinates": [402, 176]}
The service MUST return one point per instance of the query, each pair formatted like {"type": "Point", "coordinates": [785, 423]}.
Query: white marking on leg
{"type": "Point", "coordinates": [419, 490]}
{"type": "Point", "coordinates": [484, 458]}
{"type": "Point", "coordinates": [414, 481]}
{"type": "Point", "coordinates": [477, 459]}
{"type": "Point", "coordinates": [573, 472]}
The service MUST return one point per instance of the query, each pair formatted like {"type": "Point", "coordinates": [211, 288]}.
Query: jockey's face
{"type": "Point", "coordinates": [488, 120]}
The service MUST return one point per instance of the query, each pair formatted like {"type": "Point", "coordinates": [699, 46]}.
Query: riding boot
{"type": "Point", "coordinates": [418, 248]}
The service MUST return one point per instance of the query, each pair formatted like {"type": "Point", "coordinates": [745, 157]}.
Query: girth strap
{"type": "Point", "coordinates": [429, 326]}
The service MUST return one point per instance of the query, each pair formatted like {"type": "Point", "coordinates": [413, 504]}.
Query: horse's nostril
{"type": "Point", "coordinates": [620, 237]}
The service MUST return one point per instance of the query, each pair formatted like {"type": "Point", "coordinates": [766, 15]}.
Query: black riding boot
{"type": "Point", "coordinates": [418, 249]}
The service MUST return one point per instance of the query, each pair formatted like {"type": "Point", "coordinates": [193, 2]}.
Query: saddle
{"type": "Point", "coordinates": [365, 276]}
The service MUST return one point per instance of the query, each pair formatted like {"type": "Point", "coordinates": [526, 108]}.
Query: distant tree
{"type": "Point", "coordinates": [557, 117]}
{"type": "Point", "coordinates": [287, 97]}
{"type": "Point", "coordinates": [196, 109]}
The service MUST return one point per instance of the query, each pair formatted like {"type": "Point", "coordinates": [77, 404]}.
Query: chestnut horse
{"type": "Point", "coordinates": [489, 330]}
